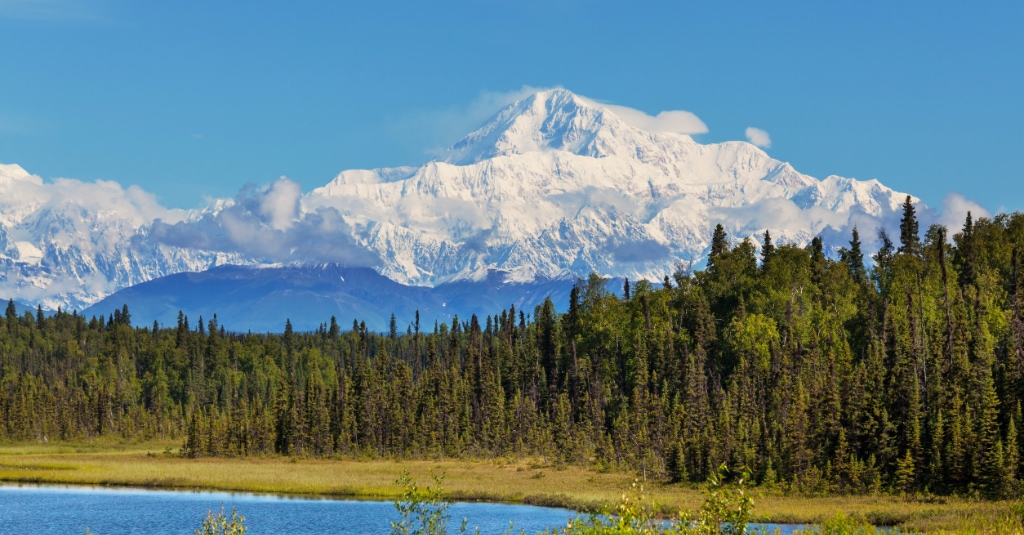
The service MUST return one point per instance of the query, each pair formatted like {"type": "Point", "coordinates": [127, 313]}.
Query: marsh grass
{"type": "Point", "coordinates": [496, 480]}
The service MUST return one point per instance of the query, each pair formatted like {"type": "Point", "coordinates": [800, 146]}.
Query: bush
{"type": "Point", "coordinates": [218, 524]}
{"type": "Point", "coordinates": [423, 512]}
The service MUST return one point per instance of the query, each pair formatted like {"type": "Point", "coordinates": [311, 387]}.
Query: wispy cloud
{"type": "Point", "coordinates": [439, 129]}
{"type": "Point", "coordinates": [758, 137]}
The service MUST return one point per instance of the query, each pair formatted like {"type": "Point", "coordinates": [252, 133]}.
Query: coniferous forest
{"type": "Point", "coordinates": [820, 373]}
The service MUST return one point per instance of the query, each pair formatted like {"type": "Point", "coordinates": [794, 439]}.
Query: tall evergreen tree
{"type": "Point", "coordinates": [719, 242]}
{"type": "Point", "coordinates": [910, 239]}
{"type": "Point", "coordinates": [966, 254]}
{"type": "Point", "coordinates": [853, 257]}
{"type": "Point", "coordinates": [767, 248]}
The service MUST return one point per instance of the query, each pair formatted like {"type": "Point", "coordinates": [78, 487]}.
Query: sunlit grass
{"type": "Point", "coordinates": [501, 480]}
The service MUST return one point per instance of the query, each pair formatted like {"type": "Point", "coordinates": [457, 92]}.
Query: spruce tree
{"type": "Point", "coordinates": [853, 257]}
{"type": "Point", "coordinates": [767, 249]}
{"type": "Point", "coordinates": [910, 240]}
{"type": "Point", "coordinates": [966, 255]}
{"type": "Point", "coordinates": [905, 476]}
{"type": "Point", "coordinates": [719, 242]}
{"type": "Point", "coordinates": [1012, 460]}
{"type": "Point", "coordinates": [882, 272]}
{"type": "Point", "coordinates": [818, 260]}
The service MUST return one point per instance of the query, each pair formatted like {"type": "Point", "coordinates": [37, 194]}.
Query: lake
{"type": "Point", "coordinates": [65, 510]}
{"type": "Point", "coordinates": [53, 510]}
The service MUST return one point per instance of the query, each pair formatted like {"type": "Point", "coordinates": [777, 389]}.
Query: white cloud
{"type": "Point", "coordinates": [954, 211]}
{"type": "Point", "coordinates": [758, 137]}
{"type": "Point", "coordinates": [675, 121]}
{"type": "Point", "coordinates": [269, 224]}
{"type": "Point", "coordinates": [132, 205]}
{"type": "Point", "coordinates": [280, 204]}
{"type": "Point", "coordinates": [780, 215]}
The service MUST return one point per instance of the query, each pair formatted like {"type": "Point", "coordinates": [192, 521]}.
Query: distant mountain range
{"type": "Point", "coordinates": [552, 187]}
{"type": "Point", "coordinates": [261, 299]}
{"type": "Point", "coordinates": [22, 308]}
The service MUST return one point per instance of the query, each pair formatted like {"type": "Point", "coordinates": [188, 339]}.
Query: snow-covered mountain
{"type": "Point", "coordinates": [552, 186]}
{"type": "Point", "coordinates": [556, 184]}
{"type": "Point", "coordinates": [71, 243]}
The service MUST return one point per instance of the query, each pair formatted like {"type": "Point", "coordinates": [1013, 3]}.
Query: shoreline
{"type": "Point", "coordinates": [500, 481]}
{"type": "Point", "coordinates": [454, 498]}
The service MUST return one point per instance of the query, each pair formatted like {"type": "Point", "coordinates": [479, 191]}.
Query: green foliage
{"type": "Point", "coordinates": [422, 511]}
{"type": "Point", "coordinates": [841, 524]}
{"type": "Point", "coordinates": [630, 516]}
{"type": "Point", "coordinates": [219, 524]}
{"type": "Point", "coordinates": [727, 510]}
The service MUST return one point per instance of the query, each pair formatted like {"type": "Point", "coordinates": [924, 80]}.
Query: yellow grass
{"type": "Point", "coordinates": [499, 480]}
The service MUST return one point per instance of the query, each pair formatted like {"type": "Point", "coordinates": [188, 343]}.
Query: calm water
{"type": "Point", "coordinates": [46, 510]}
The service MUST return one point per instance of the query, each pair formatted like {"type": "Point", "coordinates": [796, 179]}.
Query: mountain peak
{"type": "Point", "coordinates": [12, 172]}
{"type": "Point", "coordinates": [548, 120]}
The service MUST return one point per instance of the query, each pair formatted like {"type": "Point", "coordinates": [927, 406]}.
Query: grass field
{"type": "Point", "coordinates": [499, 480]}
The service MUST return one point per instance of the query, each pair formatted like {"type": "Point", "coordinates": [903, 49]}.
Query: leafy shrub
{"type": "Point", "coordinates": [218, 524]}
{"type": "Point", "coordinates": [423, 511]}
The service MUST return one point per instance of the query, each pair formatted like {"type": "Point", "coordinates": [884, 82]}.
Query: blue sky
{"type": "Point", "coordinates": [195, 99]}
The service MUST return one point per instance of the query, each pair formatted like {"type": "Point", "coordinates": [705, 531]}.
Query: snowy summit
{"type": "Point", "coordinates": [557, 185]}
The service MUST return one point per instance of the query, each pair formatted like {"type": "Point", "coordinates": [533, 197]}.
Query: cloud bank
{"type": "Point", "coordinates": [269, 224]}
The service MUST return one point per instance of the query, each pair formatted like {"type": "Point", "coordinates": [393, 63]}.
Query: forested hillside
{"type": "Point", "coordinates": [816, 373]}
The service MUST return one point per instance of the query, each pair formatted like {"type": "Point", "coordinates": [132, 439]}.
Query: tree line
{"type": "Point", "coordinates": [817, 373]}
